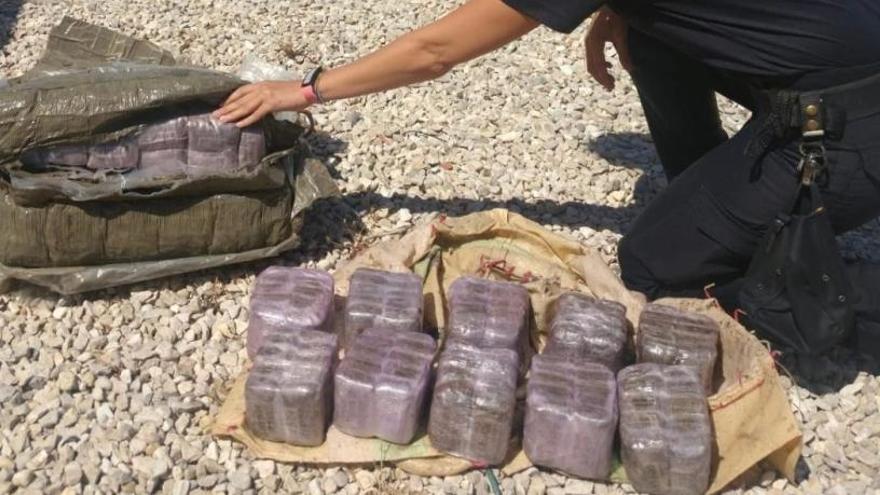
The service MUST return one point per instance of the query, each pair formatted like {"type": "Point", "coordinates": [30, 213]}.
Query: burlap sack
{"type": "Point", "coordinates": [751, 415]}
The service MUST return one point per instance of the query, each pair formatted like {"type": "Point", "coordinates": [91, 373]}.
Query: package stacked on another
{"type": "Point", "coordinates": [289, 299]}
{"type": "Point", "coordinates": [583, 328]}
{"type": "Point", "coordinates": [383, 383]}
{"type": "Point", "coordinates": [665, 431]}
{"type": "Point", "coordinates": [571, 400]}
{"type": "Point", "coordinates": [475, 395]}
{"type": "Point", "coordinates": [671, 336]}
{"type": "Point", "coordinates": [378, 299]}
{"type": "Point", "coordinates": [488, 314]}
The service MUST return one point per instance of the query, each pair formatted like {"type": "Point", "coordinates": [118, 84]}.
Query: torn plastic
{"type": "Point", "coordinates": [85, 92]}
{"type": "Point", "coordinates": [79, 229]}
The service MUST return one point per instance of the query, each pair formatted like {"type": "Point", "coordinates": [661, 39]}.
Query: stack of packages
{"type": "Point", "coordinates": [380, 388]}
{"type": "Point", "coordinates": [475, 395]}
{"type": "Point", "coordinates": [382, 384]}
{"type": "Point", "coordinates": [579, 390]}
{"type": "Point", "coordinates": [137, 180]}
{"type": "Point", "coordinates": [577, 393]}
{"type": "Point", "coordinates": [289, 390]}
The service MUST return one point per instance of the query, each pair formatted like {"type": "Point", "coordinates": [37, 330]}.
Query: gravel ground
{"type": "Point", "coordinates": [112, 392]}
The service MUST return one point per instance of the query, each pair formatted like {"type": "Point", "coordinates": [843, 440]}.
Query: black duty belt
{"type": "Point", "coordinates": [814, 115]}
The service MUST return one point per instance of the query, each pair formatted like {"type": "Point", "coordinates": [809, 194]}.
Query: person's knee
{"type": "Point", "coordinates": [634, 268]}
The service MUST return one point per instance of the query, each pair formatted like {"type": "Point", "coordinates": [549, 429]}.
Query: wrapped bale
{"type": "Point", "coordinates": [588, 329]}
{"type": "Point", "coordinates": [474, 401]}
{"type": "Point", "coordinates": [78, 216]}
{"type": "Point", "coordinates": [289, 392]}
{"type": "Point", "coordinates": [571, 416]}
{"type": "Point", "coordinates": [382, 385]}
{"type": "Point", "coordinates": [488, 314]}
{"type": "Point", "coordinates": [388, 300]}
{"type": "Point", "coordinates": [665, 430]}
{"type": "Point", "coordinates": [671, 336]}
{"type": "Point", "coordinates": [61, 234]}
{"type": "Point", "coordinates": [289, 299]}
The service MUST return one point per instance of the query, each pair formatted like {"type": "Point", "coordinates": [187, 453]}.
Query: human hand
{"type": "Point", "coordinates": [248, 104]}
{"type": "Point", "coordinates": [606, 27]}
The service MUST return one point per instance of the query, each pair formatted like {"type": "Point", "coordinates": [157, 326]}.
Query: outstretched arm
{"type": "Point", "coordinates": [473, 29]}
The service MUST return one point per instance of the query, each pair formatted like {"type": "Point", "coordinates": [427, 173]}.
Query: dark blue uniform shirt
{"type": "Point", "coordinates": [773, 40]}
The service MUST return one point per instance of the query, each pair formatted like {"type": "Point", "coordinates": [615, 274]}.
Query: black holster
{"type": "Point", "coordinates": [797, 291]}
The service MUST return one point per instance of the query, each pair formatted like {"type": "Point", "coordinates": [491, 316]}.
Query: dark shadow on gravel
{"type": "Point", "coordinates": [325, 148]}
{"type": "Point", "coordinates": [635, 151]}
{"type": "Point", "coordinates": [9, 10]}
{"type": "Point", "coordinates": [572, 214]}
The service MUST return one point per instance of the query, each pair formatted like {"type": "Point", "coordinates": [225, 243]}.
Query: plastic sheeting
{"type": "Point", "coordinates": [75, 229]}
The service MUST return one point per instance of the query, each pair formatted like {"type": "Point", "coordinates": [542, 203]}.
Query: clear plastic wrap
{"type": "Point", "coordinates": [70, 155]}
{"type": "Point", "coordinates": [252, 147]}
{"type": "Point", "coordinates": [289, 391]}
{"type": "Point", "coordinates": [571, 416]}
{"type": "Point", "coordinates": [589, 329]}
{"type": "Point", "coordinates": [488, 314]}
{"type": "Point", "coordinates": [665, 431]}
{"type": "Point", "coordinates": [121, 156]}
{"type": "Point", "coordinates": [184, 147]}
{"type": "Point", "coordinates": [671, 336]}
{"type": "Point", "coordinates": [212, 145]}
{"type": "Point", "coordinates": [289, 299]}
{"type": "Point", "coordinates": [473, 403]}
{"type": "Point", "coordinates": [163, 148]}
{"type": "Point", "coordinates": [382, 385]}
{"type": "Point", "coordinates": [381, 299]}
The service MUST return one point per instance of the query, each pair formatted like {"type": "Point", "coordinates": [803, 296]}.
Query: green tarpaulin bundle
{"type": "Point", "coordinates": [78, 230]}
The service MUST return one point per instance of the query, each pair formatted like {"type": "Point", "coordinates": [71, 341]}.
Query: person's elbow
{"type": "Point", "coordinates": [430, 59]}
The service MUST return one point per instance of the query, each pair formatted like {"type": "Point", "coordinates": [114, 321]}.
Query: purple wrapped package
{"type": "Point", "coordinates": [252, 148]}
{"type": "Point", "coordinates": [59, 156]}
{"type": "Point", "coordinates": [671, 336]}
{"type": "Point", "coordinates": [474, 401]}
{"type": "Point", "coordinates": [486, 313]}
{"type": "Point", "coordinates": [571, 416]}
{"type": "Point", "coordinates": [121, 155]}
{"type": "Point", "coordinates": [163, 148]}
{"type": "Point", "coordinates": [382, 385]}
{"type": "Point", "coordinates": [588, 329]}
{"type": "Point", "coordinates": [213, 145]}
{"type": "Point", "coordinates": [665, 430]}
{"type": "Point", "coordinates": [383, 300]}
{"type": "Point", "coordinates": [289, 391]}
{"type": "Point", "coordinates": [289, 299]}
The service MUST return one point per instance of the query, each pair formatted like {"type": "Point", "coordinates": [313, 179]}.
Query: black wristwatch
{"type": "Point", "coordinates": [311, 82]}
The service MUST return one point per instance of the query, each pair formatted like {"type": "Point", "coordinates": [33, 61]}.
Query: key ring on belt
{"type": "Point", "coordinates": [812, 163]}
